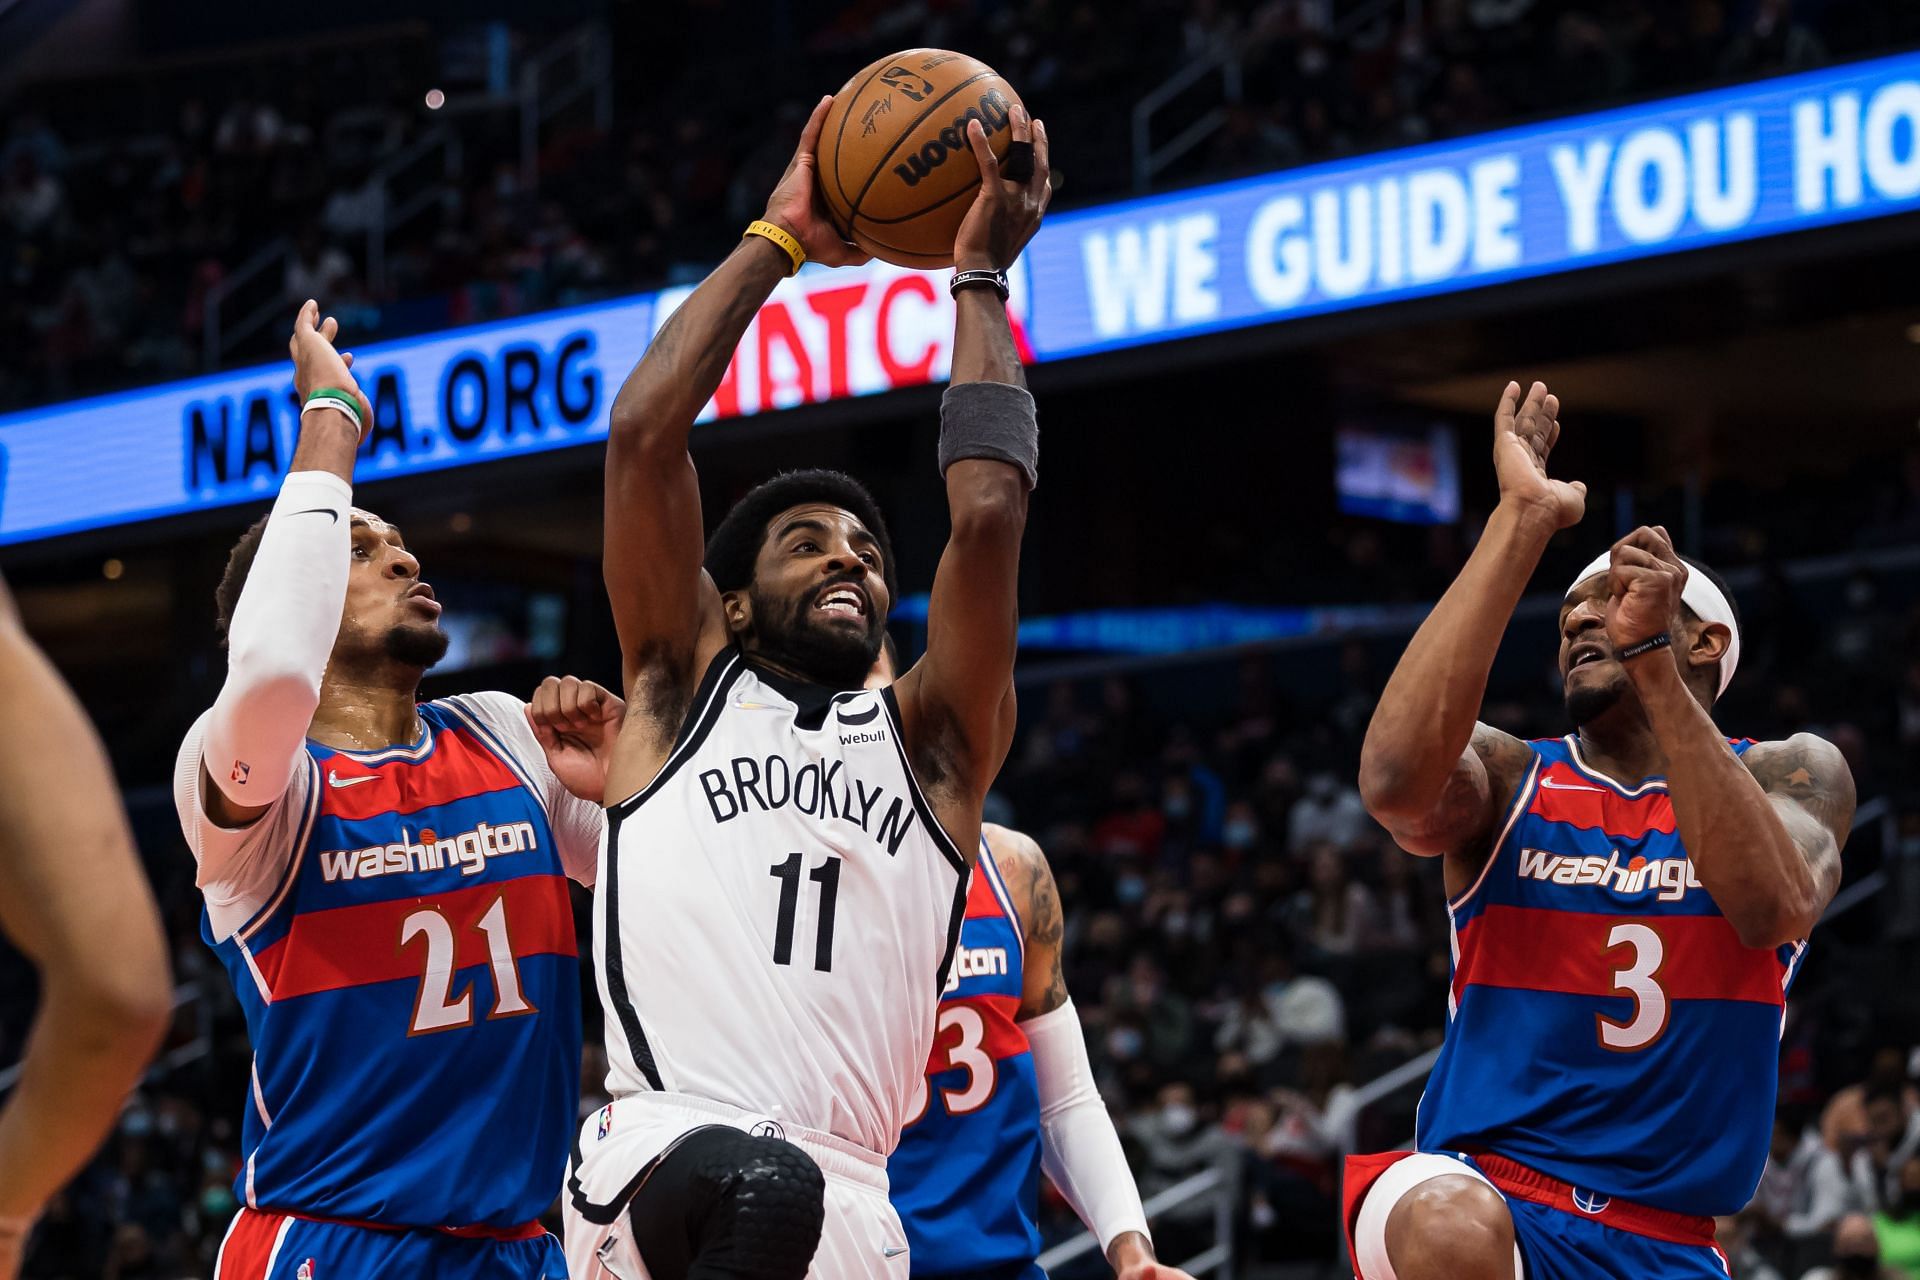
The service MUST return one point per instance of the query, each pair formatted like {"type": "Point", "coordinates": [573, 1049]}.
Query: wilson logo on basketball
{"type": "Point", "coordinates": [992, 111]}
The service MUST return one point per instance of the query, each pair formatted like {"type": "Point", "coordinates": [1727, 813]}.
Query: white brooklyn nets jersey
{"type": "Point", "coordinates": [777, 910]}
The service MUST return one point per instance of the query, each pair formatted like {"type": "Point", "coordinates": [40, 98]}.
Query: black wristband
{"type": "Point", "coordinates": [995, 280]}
{"type": "Point", "coordinates": [1648, 645]}
{"type": "Point", "coordinates": [992, 420]}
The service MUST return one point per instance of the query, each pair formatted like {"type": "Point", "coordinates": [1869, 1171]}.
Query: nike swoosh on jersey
{"type": "Point", "coordinates": [1551, 785]}
{"type": "Point", "coordinates": [890, 1251]}
{"type": "Point", "coordinates": [335, 780]}
{"type": "Point", "coordinates": [318, 511]}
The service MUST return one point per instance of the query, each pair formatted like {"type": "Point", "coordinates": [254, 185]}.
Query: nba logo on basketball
{"type": "Point", "coordinates": [1590, 1202]}
{"type": "Point", "coordinates": [606, 1120]}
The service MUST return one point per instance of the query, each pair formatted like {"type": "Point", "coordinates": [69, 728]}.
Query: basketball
{"type": "Point", "coordinates": [895, 165]}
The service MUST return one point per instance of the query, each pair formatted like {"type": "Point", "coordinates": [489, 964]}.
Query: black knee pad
{"type": "Point", "coordinates": [724, 1203]}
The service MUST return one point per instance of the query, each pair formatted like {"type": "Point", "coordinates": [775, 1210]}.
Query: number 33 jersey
{"type": "Point", "coordinates": [398, 929]}
{"type": "Point", "coordinates": [1605, 1024]}
{"type": "Point", "coordinates": [777, 911]}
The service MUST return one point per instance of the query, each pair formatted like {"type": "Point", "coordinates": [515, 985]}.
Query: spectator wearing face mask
{"type": "Point", "coordinates": [1897, 1227]}
{"type": "Point", "coordinates": [1856, 1253]}
{"type": "Point", "coordinates": [1821, 1174]}
{"type": "Point", "coordinates": [1177, 1143]}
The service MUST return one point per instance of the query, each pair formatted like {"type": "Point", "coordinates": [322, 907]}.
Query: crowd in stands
{"type": "Point", "coordinates": [118, 222]}
{"type": "Point", "coordinates": [1246, 947]}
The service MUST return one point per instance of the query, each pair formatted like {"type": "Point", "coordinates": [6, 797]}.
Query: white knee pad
{"type": "Point", "coordinates": [1370, 1226]}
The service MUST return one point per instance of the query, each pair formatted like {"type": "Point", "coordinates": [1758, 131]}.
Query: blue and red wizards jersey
{"type": "Point", "coordinates": [1605, 1024]}
{"type": "Point", "coordinates": [966, 1175]}
{"type": "Point", "coordinates": [412, 992]}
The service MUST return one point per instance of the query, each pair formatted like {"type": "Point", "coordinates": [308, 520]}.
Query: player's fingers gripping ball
{"type": "Point", "coordinates": [896, 169]}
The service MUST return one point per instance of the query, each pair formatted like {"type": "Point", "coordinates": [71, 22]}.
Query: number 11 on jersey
{"type": "Point", "coordinates": [827, 876]}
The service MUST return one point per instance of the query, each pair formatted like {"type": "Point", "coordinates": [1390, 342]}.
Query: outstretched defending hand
{"type": "Point", "coordinates": [577, 722]}
{"type": "Point", "coordinates": [1645, 577]}
{"type": "Point", "coordinates": [1006, 213]}
{"type": "Point", "coordinates": [316, 363]}
{"type": "Point", "coordinates": [795, 205]}
{"type": "Point", "coordinates": [1524, 433]}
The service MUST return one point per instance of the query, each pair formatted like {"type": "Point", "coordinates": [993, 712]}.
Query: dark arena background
{"type": "Point", "coordinates": [1297, 248]}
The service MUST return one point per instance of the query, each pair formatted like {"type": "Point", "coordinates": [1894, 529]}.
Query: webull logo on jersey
{"type": "Point", "coordinates": [976, 962]}
{"type": "Point", "coordinates": [1672, 876]}
{"type": "Point", "coordinates": [469, 851]}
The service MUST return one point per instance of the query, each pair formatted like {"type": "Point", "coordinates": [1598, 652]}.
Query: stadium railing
{"type": "Point", "coordinates": [1210, 1187]}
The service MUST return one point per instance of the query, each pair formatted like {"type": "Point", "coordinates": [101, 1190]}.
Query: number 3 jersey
{"type": "Point", "coordinates": [1606, 1026]}
{"type": "Point", "coordinates": [966, 1175]}
{"type": "Point", "coordinates": [398, 930]}
{"type": "Point", "coordinates": [777, 911]}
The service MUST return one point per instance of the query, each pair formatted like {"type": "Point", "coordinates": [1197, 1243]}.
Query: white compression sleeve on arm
{"type": "Point", "coordinates": [1079, 1147]}
{"type": "Point", "coordinates": [281, 635]}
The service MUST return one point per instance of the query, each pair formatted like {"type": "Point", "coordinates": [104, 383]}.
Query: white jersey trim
{"type": "Point", "coordinates": [941, 839]}
{"type": "Point", "coordinates": [1579, 761]}
{"type": "Point", "coordinates": [699, 721]}
{"type": "Point", "coordinates": [720, 679]}
{"type": "Point", "coordinates": [998, 884]}
{"type": "Point", "coordinates": [302, 836]}
{"type": "Point", "coordinates": [1521, 799]}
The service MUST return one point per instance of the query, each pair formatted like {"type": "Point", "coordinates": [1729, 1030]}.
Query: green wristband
{"type": "Point", "coordinates": [335, 398]}
{"type": "Point", "coordinates": [334, 393]}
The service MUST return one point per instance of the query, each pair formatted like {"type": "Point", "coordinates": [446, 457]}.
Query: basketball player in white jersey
{"type": "Point", "coordinates": [781, 885]}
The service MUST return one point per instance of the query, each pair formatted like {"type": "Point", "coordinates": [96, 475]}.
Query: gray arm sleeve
{"type": "Point", "coordinates": [993, 420]}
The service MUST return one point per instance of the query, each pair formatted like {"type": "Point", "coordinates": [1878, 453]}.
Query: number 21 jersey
{"type": "Point", "coordinates": [406, 964]}
{"type": "Point", "coordinates": [1605, 1024]}
{"type": "Point", "coordinates": [777, 910]}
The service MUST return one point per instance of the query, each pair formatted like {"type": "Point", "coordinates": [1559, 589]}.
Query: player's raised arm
{"type": "Point", "coordinates": [1429, 772]}
{"type": "Point", "coordinates": [959, 717]}
{"type": "Point", "coordinates": [1764, 830]}
{"type": "Point", "coordinates": [665, 608]}
{"type": "Point", "coordinates": [288, 614]}
{"type": "Point", "coordinates": [74, 899]}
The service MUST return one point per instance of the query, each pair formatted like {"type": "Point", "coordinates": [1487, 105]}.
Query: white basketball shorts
{"type": "Point", "coordinates": [862, 1237]}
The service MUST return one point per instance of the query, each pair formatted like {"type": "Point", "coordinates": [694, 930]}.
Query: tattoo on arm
{"type": "Point", "coordinates": [1481, 786]}
{"type": "Point", "coordinates": [1046, 932]}
{"type": "Point", "coordinates": [1031, 884]}
{"type": "Point", "coordinates": [1811, 786]}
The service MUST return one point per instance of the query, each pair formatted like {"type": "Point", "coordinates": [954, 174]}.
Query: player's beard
{"type": "Point", "coordinates": [830, 656]}
{"type": "Point", "coordinates": [1589, 701]}
{"type": "Point", "coordinates": [415, 645]}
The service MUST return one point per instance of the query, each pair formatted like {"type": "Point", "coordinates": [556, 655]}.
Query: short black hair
{"type": "Point", "coordinates": [226, 596]}
{"type": "Point", "coordinates": [1707, 572]}
{"type": "Point", "coordinates": [735, 544]}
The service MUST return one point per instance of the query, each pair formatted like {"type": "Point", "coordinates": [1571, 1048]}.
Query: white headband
{"type": "Point", "coordinates": [1707, 601]}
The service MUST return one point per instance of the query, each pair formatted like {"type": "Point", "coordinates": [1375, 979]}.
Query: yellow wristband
{"type": "Point", "coordinates": [787, 243]}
